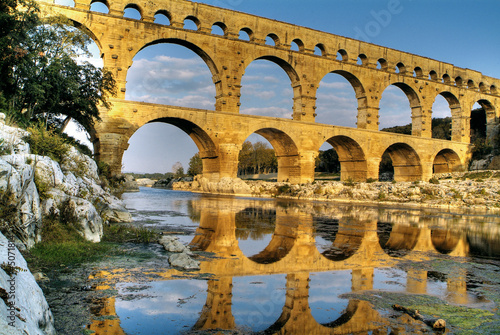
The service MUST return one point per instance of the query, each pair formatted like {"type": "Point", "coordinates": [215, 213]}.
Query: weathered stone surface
{"type": "Point", "coordinates": [74, 183]}
{"type": "Point", "coordinates": [449, 193]}
{"type": "Point", "coordinates": [220, 133]}
{"type": "Point", "coordinates": [172, 244]}
{"type": "Point", "coordinates": [183, 261]}
{"type": "Point", "coordinates": [33, 316]}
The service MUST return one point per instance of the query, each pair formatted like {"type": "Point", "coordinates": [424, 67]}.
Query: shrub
{"type": "Point", "coordinates": [349, 182]}
{"type": "Point", "coordinates": [434, 180]}
{"type": "Point", "coordinates": [4, 149]}
{"type": "Point", "coordinates": [45, 142]}
{"type": "Point", "coordinates": [371, 180]}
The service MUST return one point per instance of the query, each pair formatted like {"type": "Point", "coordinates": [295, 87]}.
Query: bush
{"type": "Point", "coordinates": [46, 142]}
{"type": "Point", "coordinates": [434, 180]}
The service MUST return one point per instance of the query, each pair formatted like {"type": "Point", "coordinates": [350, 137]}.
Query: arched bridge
{"type": "Point", "coordinates": [220, 133]}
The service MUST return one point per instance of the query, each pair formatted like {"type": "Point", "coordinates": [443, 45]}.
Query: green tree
{"type": "Point", "coordinates": [195, 165]}
{"type": "Point", "coordinates": [245, 158]}
{"type": "Point", "coordinates": [17, 18]}
{"type": "Point", "coordinates": [47, 81]}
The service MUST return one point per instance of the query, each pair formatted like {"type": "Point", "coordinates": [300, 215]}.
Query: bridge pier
{"type": "Point", "coordinates": [109, 149]}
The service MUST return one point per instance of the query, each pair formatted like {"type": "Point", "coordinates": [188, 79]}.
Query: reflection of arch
{"type": "Point", "coordinates": [446, 161]}
{"type": "Point", "coordinates": [349, 312]}
{"type": "Point", "coordinates": [351, 156]}
{"type": "Point", "coordinates": [445, 241]}
{"type": "Point", "coordinates": [405, 161]}
{"type": "Point", "coordinates": [282, 241]}
{"type": "Point", "coordinates": [397, 240]}
{"type": "Point", "coordinates": [346, 237]}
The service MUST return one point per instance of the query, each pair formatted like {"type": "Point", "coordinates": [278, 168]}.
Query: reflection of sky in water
{"type": "Point", "coordinates": [324, 291]}
{"type": "Point", "coordinates": [252, 247]}
{"type": "Point", "coordinates": [389, 279]}
{"type": "Point", "coordinates": [156, 310]}
{"type": "Point", "coordinates": [160, 207]}
{"type": "Point", "coordinates": [322, 244]}
{"type": "Point", "coordinates": [258, 300]}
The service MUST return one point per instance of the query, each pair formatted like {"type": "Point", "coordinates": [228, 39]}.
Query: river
{"type": "Point", "coordinates": [290, 267]}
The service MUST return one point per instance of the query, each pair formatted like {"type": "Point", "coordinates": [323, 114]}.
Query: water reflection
{"type": "Point", "coordinates": [299, 280]}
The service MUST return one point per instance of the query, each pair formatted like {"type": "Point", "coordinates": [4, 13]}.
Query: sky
{"type": "Point", "coordinates": [461, 32]}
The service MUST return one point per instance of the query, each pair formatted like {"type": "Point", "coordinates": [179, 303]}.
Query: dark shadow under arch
{"type": "Point", "coordinates": [446, 161]}
{"type": "Point", "coordinates": [406, 163]}
{"type": "Point", "coordinates": [351, 156]}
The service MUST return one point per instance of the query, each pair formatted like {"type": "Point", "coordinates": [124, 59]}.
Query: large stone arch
{"type": "Point", "coordinates": [357, 86]}
{"type": "Point", "coordinates": [456, 114]}
{"type": "Point", "coordinates": [406, 162]}
{"type": "Point", "coordinates": [352, 159]}
{"type": "Point", "coordinates": [491, 117]}
{"type": "Point", "coordinates": [446, 161]}
{"type": "Point", "coordinates": [208, 149]}
{"type": "Point", "coordinates": [417, 112]}
{"type": "Point", "coordinates": [292, 74]}
{"type": "Point", "coordinates": [207, 59]}
{"type": "Point", "coordinates": [286, 151]}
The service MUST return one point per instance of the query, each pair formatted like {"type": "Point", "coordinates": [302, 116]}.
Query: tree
{"type": "Point", "coordinates": [195, 165]}
{"type": "Point", "coordinates": [178, 170]}
{"type": "Point", "coordinates": [17, 17]}
{"type": "Point", "coordinates": [47, 81]}
{"type": "Point", "coordinates": [245, 158]}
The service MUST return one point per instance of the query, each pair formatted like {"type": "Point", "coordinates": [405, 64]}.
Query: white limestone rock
{"type": "Point", "coordinates": [172, 244]}
{"type": "Point", "coordinates": [183, 261]}
{"type": "Point", "coordinates": [32, 315]}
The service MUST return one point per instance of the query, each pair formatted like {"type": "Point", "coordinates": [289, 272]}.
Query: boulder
{"type": "Point", "coordinates": [183, 261]}
{"type": "Point", "coordinates": [172, 244]}
{"type": "Point", "coordinates": [32, 314]}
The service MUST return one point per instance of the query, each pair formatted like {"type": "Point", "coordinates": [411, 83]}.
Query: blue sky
{"type": "Point", "coordinates": [462, 32]}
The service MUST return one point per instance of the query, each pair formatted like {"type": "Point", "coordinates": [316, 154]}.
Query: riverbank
{"type": "Point", "coordinates": [471, 190]}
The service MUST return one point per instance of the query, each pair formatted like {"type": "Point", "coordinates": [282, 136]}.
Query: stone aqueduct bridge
{"type": "Point", "coordinates": [219, 134]}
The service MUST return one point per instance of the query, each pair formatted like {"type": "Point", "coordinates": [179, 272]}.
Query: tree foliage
{"type": "Point", "coordinates": [256, 158]}
{"type": "Point", "coordinates": [45, 78]}
{"type": "Point", "coordinates": [328, 161]}
{"type": "Point", "coordinates": [195, 165]}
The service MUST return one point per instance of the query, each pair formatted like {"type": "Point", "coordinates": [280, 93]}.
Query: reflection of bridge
{"type": "Point", "coordinates": [292, 251]}
{"type": "Point", "coordinates": [220, 134]}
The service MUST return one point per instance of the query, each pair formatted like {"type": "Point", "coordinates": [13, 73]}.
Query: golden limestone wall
{"type": "Point", "coordinates": [219, 134]}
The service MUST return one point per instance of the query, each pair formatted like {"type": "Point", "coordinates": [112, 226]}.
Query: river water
{"type": "Point", "coordinates": [289, 267]}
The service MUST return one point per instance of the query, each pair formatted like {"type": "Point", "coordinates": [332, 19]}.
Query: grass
{"type": "Point", "coordinates": [119, 233]}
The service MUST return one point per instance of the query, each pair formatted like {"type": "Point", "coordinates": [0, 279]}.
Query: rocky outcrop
{"type": "Point", "coordinates": [145, 182]}
{"type": "Point", "coordinates": [456, 190]}
{"type": "Point", "coordinates": [33, 186]}
{"type": "Point", "coordinates": [234, 186]}
{"type": "Point", "coordinates": [23, 308]}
